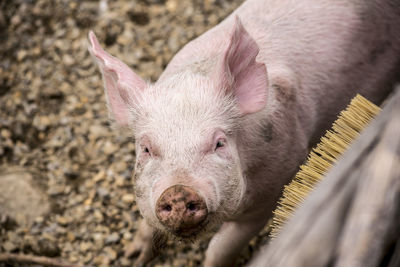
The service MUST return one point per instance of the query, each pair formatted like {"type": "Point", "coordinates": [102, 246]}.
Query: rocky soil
{"type": "Point", "coordinates": [55, 134]}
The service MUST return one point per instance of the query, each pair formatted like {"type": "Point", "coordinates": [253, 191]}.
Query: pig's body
{"type": "Point", "coordinates": [328, 51]}
{"type": "Point", "coordinates": [226, 133]}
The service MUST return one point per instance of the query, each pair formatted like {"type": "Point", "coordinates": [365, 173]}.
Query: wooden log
{"type": "Point", "coordinates": [354, 213]}
{"type": "Point", "coordinates": [373, 213]}
{"type": "Point", "coordinates": [31, 259]}
{"type": "Point", "coordinates": [395, 260]}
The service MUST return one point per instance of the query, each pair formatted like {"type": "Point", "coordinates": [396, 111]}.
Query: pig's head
{"type": "Point", "coordinates": [189, 170]}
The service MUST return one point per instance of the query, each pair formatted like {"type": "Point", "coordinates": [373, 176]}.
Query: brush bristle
{"type": "Point", "coordinates": [345, 129]}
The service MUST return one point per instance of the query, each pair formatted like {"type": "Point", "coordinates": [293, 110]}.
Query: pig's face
{"type": "Point", "coordinates": [188, 169]}
{"type": "Point", "coordinates": [185, 135]}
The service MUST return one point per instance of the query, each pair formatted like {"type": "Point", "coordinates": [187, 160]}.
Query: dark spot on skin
{"type": "Point", "coordinates": [203, 66]}
{"type": "Point", "coordinates": [283, 90]}
{"type": "Point", "coordinates": [267, 132]}
{"type": "Point", "coordinates": [137, 170]}
{"type": "Point", "coordinates": [136, 176]}
{"type": "Point", "coordinates": [181, 199]}
{"type": "Point", "coordinates": [159, 239]}
{"type": "Point", "coordinates": [379, 51]}
{"type": "Point", "coordinates": [139, 192]}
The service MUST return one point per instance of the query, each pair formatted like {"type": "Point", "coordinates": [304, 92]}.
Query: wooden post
{"type": "Point", "coordinates": [353, 215]}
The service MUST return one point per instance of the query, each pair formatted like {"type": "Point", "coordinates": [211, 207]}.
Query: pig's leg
{"type": "Point", "coordinates": [228, 243]}
{"type": "Point", "coordinates": [142, 244]}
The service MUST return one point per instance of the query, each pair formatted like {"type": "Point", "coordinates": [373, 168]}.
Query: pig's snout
{"type": "Point", "coordinates": [181, 210]}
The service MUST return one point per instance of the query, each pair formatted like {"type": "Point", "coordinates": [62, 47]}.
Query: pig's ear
{"type": "Point", "coordinates": [239, 73]}
{"type": "Point", "coordinates": [122, 85]}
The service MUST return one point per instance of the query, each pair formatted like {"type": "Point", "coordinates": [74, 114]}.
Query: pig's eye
{"type": "Point", "coordinates": [220, 143]}
{"type": "Point", "coordinates": [146, 148]}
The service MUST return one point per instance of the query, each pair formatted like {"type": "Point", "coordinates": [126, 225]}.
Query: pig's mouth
{"type": "Point", "coordinates": [185, 233]}
{"type": "Point", "coordinates": [205, 230]}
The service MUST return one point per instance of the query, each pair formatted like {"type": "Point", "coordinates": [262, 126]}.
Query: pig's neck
{"type": "Point", "coordinates": [272, 144]}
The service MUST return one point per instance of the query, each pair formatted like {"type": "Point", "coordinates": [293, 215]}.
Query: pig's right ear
{"type": "Point", "coordinates": [122, 85]}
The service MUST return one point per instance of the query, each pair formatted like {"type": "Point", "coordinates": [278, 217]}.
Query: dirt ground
{"type": "Point", "coordinates": [54, 127]}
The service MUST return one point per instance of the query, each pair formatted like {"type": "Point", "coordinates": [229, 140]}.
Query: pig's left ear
{"type": "Point", "coordinates": [239, 73]}
{"type": "Point", "coordinates": [121, 85]}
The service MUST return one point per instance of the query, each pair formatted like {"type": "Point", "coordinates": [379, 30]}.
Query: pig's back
{"type": "Point", "coordinates": [332, 47]}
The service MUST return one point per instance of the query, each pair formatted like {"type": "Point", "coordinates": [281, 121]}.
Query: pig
{"type": "Point", "coordinates": [233, 115]}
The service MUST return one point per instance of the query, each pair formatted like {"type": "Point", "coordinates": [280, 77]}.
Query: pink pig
{"type": "Point", "coordinates": [233, 115]}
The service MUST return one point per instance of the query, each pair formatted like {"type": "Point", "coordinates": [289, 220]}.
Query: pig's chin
{"type": "Point", "coordinates": [203, 231]}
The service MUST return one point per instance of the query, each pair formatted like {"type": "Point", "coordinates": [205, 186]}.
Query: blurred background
{"type": "Point", "coordinates": [65, 176]}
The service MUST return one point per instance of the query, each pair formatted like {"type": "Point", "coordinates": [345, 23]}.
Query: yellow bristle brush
{"type": "Point", "coordinates": [345, 129]}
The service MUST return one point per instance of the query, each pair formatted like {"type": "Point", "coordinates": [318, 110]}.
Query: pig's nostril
{"type": "Point", "coordinates": [167, 208]}
{"type": "Point", "coordinates": [191, 206]}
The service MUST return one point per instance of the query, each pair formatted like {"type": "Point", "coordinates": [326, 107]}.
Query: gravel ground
{"type": "Point", "coordinates": [54, 126]}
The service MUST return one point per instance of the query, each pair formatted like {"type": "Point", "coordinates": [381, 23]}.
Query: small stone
{"type": "Point", "coordinates": [125, 262]}
{"type": "Point", "coordinates": [21, 55]}
{"type": "Point", "coordinates": [127, 236]}
{"type": "Point", "coordinates": [16, 20]}
{"type": "Point", "coordinates": [97, 131]}
{"type": "Point", "coordinates": [111, 254]}
{"type": "Point", "coordinates": [120, 166]}
{"type": "Point", "coordinates": [98, 216]}
{"type": "Point", "coordinates": [68, 60]}
{"type": "Point", "coordinates": [99, 176]}
{"type": "Point", "coordinates": [42, 122]}
{"type": "Point", "coordinates": [179, 262]}
{"type": "Point", "coordinates": [98, 237]}
{"type": "Point", "coordinates": [73, 5]}
{"type": "Point", "coordinates": [50, 229]}
{"type": "Point", "coordinates": [56, 190]}
{"type": "Point", "coordinates": [36, 51]}
{"type": "Point", "coordinates": [73, 258]}
{"type": "Point", "coordinates": [20, 198]}
{"type": "Point", "coordinates": [88, 202]}
{"type": "Point", "coordinates": [39, 219]}
{"type": "Point", "coordinates": [172, 5]}
{"type": "Point", "coordinates": [9, 246]}
{"type": "Point", "coordinates": [61, 231]}
{"type": "Point", "coordinates": [71, 237]}
{"type": "Point", "coordinates": [109, 148]}
{"type": "Point", "coordinates": [128, 198]}
{"type": "Point", "coordinates": [119, 180]}
{"type": "Point", "coordinates": [123, 40]}
{"type": "Point", "coordinates": [5, 133]}
{"type": "Point", "coordinates": [88, 257]}
{"type": "Point", "coordinates": [98, 260]}
{"type": "Point", "coordinates": [113, 238]}
{"type": "Point", "coordinates": [102, 192]}
{"type": "Point", "coordinates": [62, 221]}
{"type": "Point", "coordinates": [85, 246]}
